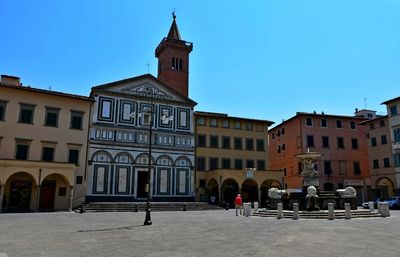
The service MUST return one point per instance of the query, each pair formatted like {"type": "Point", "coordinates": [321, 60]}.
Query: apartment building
{"type": "Point", "coordinates": [393, 110]}
{"type": "Point", "coordinates": [341, 140]}
{"type": "Point", "coordinates": [381, 162]}
{"type": "Point", "coordinates": [232, 157]}
{"type": "Point", "coordinates": [43, 144]}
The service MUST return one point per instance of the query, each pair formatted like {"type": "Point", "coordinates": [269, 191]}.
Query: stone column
{"type": "Point", "coordinates": [280, 211]}
{"type": "Point", "coordinates": [1, 196]}
{"type": "Point", "coordinates": [347, 211]}
{"type": "Point", "coordinates": [220, 191]}
{"type": "Point", "coordinates": [37, 198]}
{"type": "Point", "coordinates": [331, 211]}
{"type": "Point", "coordinates": [295, 211]}
{"type": "Point", "coordinates": [71, 197]}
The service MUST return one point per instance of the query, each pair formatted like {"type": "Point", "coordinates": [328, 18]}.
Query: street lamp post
{"type": "Point", "coordinates": [164, 118]}
{"type": "Point", "coordinates": [149, 93]}
{"type": "Point", "coordinates": [147, 220]}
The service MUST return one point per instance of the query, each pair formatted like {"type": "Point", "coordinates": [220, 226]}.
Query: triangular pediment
{"type": "Point", "coordinates": [143, 86]}
{"type": "Point", "coordinates": [147, 89]}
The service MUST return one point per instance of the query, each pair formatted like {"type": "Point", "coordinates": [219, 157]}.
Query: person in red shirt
{"type": "Point", "coordinates": [238, 204]}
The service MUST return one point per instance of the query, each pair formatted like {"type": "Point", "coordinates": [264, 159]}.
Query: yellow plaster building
{"type": "Point", "coordinates": [381, 162]}
{"type": "Point", "coordinates": [393, 110]}
{"type": "Point", "coordinates": [232, 158]}
{"type": "Point", "coordinates": [43, 145]}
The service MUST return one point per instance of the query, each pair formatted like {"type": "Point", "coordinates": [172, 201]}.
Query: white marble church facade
{"type": "Point", "coordinates": [119, 142]}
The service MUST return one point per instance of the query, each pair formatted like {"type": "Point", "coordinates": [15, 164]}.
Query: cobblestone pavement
{"type": "Point", "coordinates": [194, 233]}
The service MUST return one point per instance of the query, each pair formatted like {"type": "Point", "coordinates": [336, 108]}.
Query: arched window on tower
{"type": "Point", "coordinates": [176, 63]}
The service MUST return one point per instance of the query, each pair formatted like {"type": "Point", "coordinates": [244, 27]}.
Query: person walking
{"type": "Point", "coordinates": [213, 200]}
{"type": "Point", "coordinates": [238, 204]}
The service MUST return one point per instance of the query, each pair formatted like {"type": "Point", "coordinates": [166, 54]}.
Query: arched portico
{"type": "Point", "coordinates": [20, 192]}
{"type": "Point", "coordinates": [250, 191]}
{"type": "Point", "coordinates": [229, 190]}
{"type": "Point", "coordinates": [265, 186]}
{"type": "Point", "coordinates": [21, 180]}
{"type": "Point", "coordinates": [213, 190]}
{"type": "Point", "coordinates": [55, 193]}
{"type": "Point", "coordinates": [385, 188]}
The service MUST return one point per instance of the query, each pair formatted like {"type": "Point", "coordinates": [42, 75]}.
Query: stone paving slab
{"type": "Point", "coordinates": [194, 233]}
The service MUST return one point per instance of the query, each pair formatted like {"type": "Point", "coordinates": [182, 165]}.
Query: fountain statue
{"type": "Point", "coordinates": [312, 199]}
{"type": "Point", "coordinates": [310, 175]}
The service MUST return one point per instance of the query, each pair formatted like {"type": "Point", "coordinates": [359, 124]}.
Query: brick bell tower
{"type": "Point", "coordinates": [173, 60]}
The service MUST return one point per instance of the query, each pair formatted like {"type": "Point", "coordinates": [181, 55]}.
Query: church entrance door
{"type": "Point", "coordinates": [143, 177]}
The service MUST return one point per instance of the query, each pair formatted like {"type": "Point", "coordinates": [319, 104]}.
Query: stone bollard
{"type": "Point", "coordinates": [227, 206]}
{"type": "Point", "coordinates": [295, 211]}
{"type": "Point", "coordinates": [387, 209]}
{"type": "Point", "coordinates": [380, 209]}
{"type": "Point", "coordinates": [82, 208]}
{"type": "Point", "coordinates": [255, 206]}
{"type": "Point", "coordinates": [184, 207]}
{"type": "Point", "coordinates": [331, 211]}
{"type": "Point", "coordinates": [383, 209]}
{"type": "Point", "coordinates": [280, 212]}
{"type": "Point", "coordinates": [347, 211]}
{"type": "Point", "coordinates": [371, 206]}
{"type": "Point", "coordinates": [247, 209]}
{"type": "Point", "coordinates": [136, 208]}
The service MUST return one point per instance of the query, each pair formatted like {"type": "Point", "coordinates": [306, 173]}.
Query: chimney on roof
{"type": "Point", "coordinates": [10, 80]}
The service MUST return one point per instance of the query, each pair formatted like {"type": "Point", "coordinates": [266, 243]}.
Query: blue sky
{"type": "Point", "coordinates": [257, 59]}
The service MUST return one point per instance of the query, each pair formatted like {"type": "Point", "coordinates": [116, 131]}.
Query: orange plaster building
{"type": "Point", "coordinates": [340, 139]}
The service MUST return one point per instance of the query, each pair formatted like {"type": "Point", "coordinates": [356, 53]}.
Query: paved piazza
{"type": "Point", "coordinates": [194, 233]}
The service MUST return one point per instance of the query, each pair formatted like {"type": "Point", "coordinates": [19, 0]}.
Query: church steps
{"type": "Point", "coordinates": [141, 206]}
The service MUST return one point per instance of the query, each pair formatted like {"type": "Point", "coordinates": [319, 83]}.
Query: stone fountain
{"type": "Point", "coordinates": [311, 198]}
